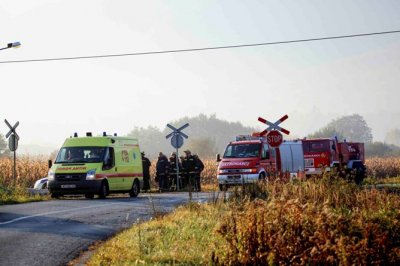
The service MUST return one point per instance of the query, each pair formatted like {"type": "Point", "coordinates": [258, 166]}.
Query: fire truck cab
{"type": "Point", "coordinates": [250, 159]}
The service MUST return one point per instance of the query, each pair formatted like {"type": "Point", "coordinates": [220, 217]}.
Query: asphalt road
{"type": "Point", "coordinates": [54, 232]}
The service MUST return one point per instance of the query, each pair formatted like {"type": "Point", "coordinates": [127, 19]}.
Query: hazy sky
{"type": "Point", "coordinates": [312, 82]}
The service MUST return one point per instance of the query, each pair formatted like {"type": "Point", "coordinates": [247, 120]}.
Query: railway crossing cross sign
{"type": "Point", "coordinates": [177, 142]}
{"type": "Point", "coordinates": [12, 136]}
{"type": "Point", "coordinates": [274, 137]}
{"type": "Point", "coordinates": [13, 139]}
{"type": "Point", "coordinates": [177, 135]}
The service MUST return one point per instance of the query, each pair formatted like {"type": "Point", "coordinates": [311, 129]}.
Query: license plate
{"type": "Point", "coordinates": [68, 186]}
{"type": "Point", "coordinates": [233, 176]}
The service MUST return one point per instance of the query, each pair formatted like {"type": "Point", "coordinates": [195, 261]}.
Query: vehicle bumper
{"type": "Point", "coordinates": [74, 187]}
{"type": "Point", "coordinates": [316, 171]}
{"type": "Point", "coordinates": [237, 179]}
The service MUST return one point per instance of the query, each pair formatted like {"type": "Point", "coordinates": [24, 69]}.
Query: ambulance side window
{"type": "Point", "coordinates": [265, 152]}
{"type": "Point", "coordinates": [108, 162]}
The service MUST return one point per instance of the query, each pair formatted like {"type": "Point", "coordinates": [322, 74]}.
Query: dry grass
{"type": "Point", "coordinates": [321, 221]}
{"type": "Point", "coordinates": [180, 238]}
{"type": "Point", "coordinates": [325, 221]}
{"type": "Point", "coordinates": [383, 167]}
{"type": "Point", "coordinates": [29, 169]}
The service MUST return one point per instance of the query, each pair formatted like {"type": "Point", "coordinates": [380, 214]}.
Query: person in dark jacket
{"type": "Point", "coordinates": [199, 167]}
{"type": "Point", "coordinates": [189, 167]}
{"type": "Point", "coordinates": [162, 171]}
{"type": "Point", "coordinates": [172, 171]}
{"type": "Point", "coordinates": [146, 172]}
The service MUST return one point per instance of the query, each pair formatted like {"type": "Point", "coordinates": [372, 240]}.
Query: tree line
{"type": "Point", "coordinates": [209, 135]}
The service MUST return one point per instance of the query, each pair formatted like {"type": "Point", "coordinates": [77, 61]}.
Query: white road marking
{"type": "Point", "coordinates": [54, 212]}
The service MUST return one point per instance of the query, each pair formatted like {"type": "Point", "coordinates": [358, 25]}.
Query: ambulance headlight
{"type": "Point", "coordinates": [50, 175]}
{"type": "Point", "coordinates": [91, 174]}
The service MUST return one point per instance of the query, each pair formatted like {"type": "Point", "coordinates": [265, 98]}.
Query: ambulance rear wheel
{"type": "Point", "coordinates": [103, 190]}
{"type": "Point", "coordinates": [135, 189]}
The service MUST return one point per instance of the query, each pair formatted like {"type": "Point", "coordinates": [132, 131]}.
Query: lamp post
{"type": "Point", "coordinates": [11, 45]}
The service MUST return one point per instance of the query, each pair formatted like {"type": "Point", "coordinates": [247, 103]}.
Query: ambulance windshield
{"type": "Point", "coordinates": [242, 150]}
{"type": "Point", "coordinates": [81, 155]}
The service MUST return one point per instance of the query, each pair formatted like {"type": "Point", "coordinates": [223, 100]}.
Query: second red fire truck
{"type": "Point", "coordinates": [249, 159]}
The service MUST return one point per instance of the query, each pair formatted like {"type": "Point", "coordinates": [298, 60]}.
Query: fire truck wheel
{"type": "Point", "coordinates": [223, 187]}
{"type": "Point", "coordinates": [103, 190]}
{"type": "Point", "coordinates": [262, 177]}
{"type": "Point", "coordinates": [135, 189]}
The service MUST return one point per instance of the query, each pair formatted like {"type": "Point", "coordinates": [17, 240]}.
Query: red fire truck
{"type": "Point", "coordinates": [250, 159]}
{"type": "Point", "coordinates": [323, 154]}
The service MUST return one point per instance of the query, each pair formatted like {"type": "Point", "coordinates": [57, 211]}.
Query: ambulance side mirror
{"type": "Point", "coordinates": [50, 163]}
{"type": "Point", "coordinates": [218, 157]}
{"type": "Point", "coordinates": [107, 164]}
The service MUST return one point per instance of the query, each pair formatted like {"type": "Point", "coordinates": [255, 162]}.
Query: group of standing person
{"type": "Point", "coordinates": [189, 166]}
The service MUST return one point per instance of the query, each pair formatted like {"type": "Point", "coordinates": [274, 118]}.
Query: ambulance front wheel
{"type": "Point", "coordinates": [89, 195]}
{"type": "Point", "coordinates": [55, 195]}
{"type": "Point", "coordinates": [103, 190]}
{"type": "Point", "coordinates": [135, 189]}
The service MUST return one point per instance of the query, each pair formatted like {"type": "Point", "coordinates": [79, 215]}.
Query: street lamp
{"type": "Point", "coordinates": [12, 45]}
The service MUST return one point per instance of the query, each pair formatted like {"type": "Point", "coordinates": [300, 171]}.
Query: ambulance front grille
{"type": "Point", "coordinates": [71, 177]}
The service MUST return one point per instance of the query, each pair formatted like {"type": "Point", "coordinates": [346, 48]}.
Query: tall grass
{"type": "Point", "coordinates": [325, 221]}
{"type": "Point", "coordinates": [320, 221]}
{"type": "Point", "coordinates": [28, 170]}
{"type": "Point", "coordinates": [184, 237]}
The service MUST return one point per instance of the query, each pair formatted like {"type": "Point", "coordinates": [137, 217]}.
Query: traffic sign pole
{"type": "Point", "coordinates": [15, 168]}
{"type": "Point", "coordinates": [177, 170]}
{"type": "Point", "coordinates": [177, 142]}
{"type": "Point", "coordinates": [13, 139]}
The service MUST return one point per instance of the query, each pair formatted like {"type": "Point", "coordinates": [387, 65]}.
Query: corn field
{"type": "Point", "coordinates": [31, 168]}
{"type": "Point", "coordinates": [322, 221]}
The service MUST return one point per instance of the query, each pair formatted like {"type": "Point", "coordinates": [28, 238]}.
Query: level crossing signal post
{"type": "Point", "coordinates": [177, 141]}
{"type": "Point", "coordinates": [13, 139]}
{"type": "Point", "coordinates": [272, 132]}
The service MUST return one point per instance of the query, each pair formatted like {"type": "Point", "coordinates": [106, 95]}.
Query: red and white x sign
{"type": "Point", "coordinates": [274, 126]}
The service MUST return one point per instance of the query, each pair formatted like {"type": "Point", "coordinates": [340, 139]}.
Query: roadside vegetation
{"type": "Point", "coordinates": [29, 169]}
{"type": "Point", "coordinates": [318, 221]}
{"type": "Point", "coordinates": [9, 195]}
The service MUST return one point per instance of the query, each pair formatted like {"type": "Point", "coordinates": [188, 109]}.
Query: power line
{"type": "Point", "coordinates": [199, 49]}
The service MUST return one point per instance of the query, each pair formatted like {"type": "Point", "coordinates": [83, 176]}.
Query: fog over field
{"type": "Point", "coordinates": [312, 82]}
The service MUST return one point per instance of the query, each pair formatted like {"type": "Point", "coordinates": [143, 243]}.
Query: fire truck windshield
{"type": "Point", "coordinates": [242, 150]}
